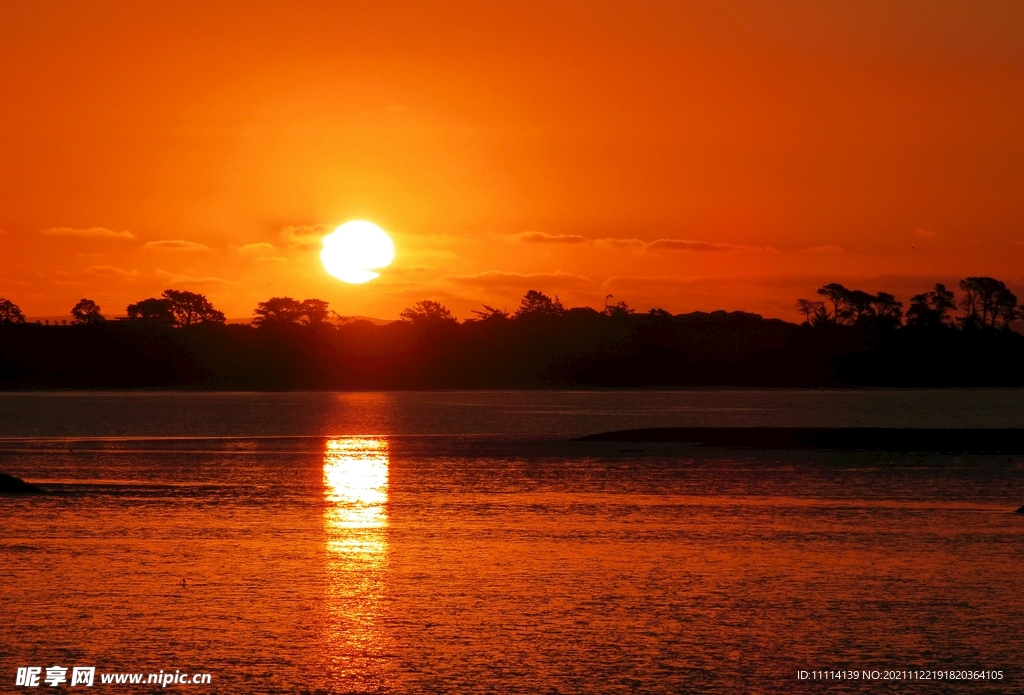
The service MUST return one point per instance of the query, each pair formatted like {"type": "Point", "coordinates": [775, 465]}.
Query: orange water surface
{"type": "Point", "coordinates": [498, 562]}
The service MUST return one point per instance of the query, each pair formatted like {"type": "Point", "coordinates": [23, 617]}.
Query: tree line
{"type": "Point", "coordinates": [848, 337]}
{"type": "Point", "coordinates": [986, 303]}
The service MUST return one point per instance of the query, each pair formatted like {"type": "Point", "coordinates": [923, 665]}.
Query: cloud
{"type": "Point", "coordinates": [672, 245]}
{"type": "Point", "coordinates": [499, 279]}
{"type": "Point", "coordinates": [637, 245]}
{"type": "Point", "coordinates": [828, 248]}
{"type": "Point", "coordinates": [109, 270]}
{"type": "Point", "coordinates": [924, 232]}
{"type": "Point", "coordinates": [94, 232]}
{"type": "Point", "coordinates": [545, 238]}
{"type": "Point", "coordinates": [645, 282]}
{"type": "Point", "coordinates": [258, 252]}
{"type": "Point", "coordinates": [99, 271]}
{"type": "Point", "coordinates": [261, 247]}
{"type": "Point", "coordinates": [193, 280]}
{"type": "Point", "coordinates": [304, 236]}
{"type": "Point", "coordinates": [175, 245]}
{"type": "Point", "coordinates": [408, 270]}
{"type": "Point", "coordinates": [619, 244]}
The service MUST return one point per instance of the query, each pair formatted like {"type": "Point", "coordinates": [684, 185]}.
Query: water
{"type": "Point", "coordinates": [454, 542]}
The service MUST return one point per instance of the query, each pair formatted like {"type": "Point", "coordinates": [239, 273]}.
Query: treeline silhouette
{"type": "Point", "coordinates": [849, 337]}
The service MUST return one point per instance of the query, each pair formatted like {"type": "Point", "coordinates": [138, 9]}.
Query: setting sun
{"type": "Point", "coordinates": [356, 250]}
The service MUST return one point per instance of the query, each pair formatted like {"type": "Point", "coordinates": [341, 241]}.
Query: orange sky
{"type": "Point", "coordinates": [691, 155]}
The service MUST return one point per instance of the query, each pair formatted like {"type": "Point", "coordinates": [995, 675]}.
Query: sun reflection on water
{"type": "Point", "coordinates": [356, 547]}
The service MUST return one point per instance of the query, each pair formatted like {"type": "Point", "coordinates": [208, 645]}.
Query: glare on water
{"type": "Point", "coordinates": [355, 551]}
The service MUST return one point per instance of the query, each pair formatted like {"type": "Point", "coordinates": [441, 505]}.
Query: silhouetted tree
{"type": "Point", "coordinates": [853, 307]}
{"type": "Point", "coordinates": [9, 312]}
{"type": "Point", "coordinates": [660, 314]}
{"type": "Point", "coordinates": [315, 312]}
{"type": "Point", "coordinates": [491, 314]}
{"type": "Point", "coordinates": [810, 309]}
{"type": "Point", "coordinates": [860, 305]}
{"type": "Point", "coordinates": [987, 301]}
{"type": "Point", "coordinates": [888, 310]}
{"type": "Point", "coordinates": [1005, 308]}
{"type": "Point", "coordinates": [285, 310]}
{"type": "Point", "coordinates": [838, 296]}
{"type": "Point", "coordinates": [931, 308]}
{"type": "Point", "coordinates": [616, 309]}
{"type": "Point", "coordinates": [151, 309]}
{"type": "Point", "coordinates": [887, 305]}
{"type": "Point", "coordinates": [86, 312]}
{"type": "Point", "coordinates": [536, 303]}
{"type": "Point", "coordinates": [277, 310]}
{"type": "Point", "coordinates": [428, 314]}
{"type": "Point", "coordinates": [190, 308]}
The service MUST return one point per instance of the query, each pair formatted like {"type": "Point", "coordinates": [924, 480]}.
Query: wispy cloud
{"type": "Point", "coordinates": [107, 271]}
{"type": "Point", "coordinates": [924, 232]}
{"type": "Point", "coordinates": [110, 270]}
{"type": "Point", "coordinates": [621, 244]}
{"type": "Point", "coordinates": [261, 247]}
{"type": "Point", "coordinates": [672, 245]}
{"type": "Point", "coordinates": [304, 236]}
{"type": "Point", "coordinates": [193, 280]}
{"type": "Point", "coordinates": [828, 248]}
{"type": "Point", "coordinates": [545, 238]}
{"type": "Point", "coordinates": [500, 279]}
{"type": "Point", "coordinates": [639, 245]}
{"type": "Point", "coordinates": [175, 245]}
{"type": "Point", "coordinates": [95, 232]}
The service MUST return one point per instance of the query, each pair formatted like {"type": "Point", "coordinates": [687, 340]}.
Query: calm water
{"type": "Point", "coordinates": [454, 542]}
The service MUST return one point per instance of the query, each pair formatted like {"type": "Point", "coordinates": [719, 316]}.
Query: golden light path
{"type": "Point", "coordinates": [356, 551]}
{"type": "Point", "coordinates": [356, 250]}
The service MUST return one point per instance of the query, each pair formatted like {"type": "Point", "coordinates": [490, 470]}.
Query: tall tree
{"type": "Point", "coordinates": [537, 303]}
{"type": "Point", "coordinates": [189, 308]}
{"type": "Point", "coordinates": [285, 310]}
{"type": "Point", "coordinates": [931, 308]}
{"type": "Point", "coordinates": [428, 314]}
{"type": "Point", "coordinates": [86, 312]}
{"type": "Point", "coordinates": [887, 307]}
{"type": "Point", "coordinates": [616, 309]}
{"type": "Point", "coordinates": [987, 301]}
{"type": "Point", "coordinates": [489, 313]}
{"type": "Point", "coordinates": [838, 296]}
{"type": "Point", "coordinates": [151, 309]}
{"type": "Point", "coordinates": [860, 305]}
{"type": "Point", "coordinates": [9, 312]}
{"type": "Point", "coordinates": [277, 311]}
{"type": "Point", "coordinates": [315, 312]}
{"type": "Point", "coordinates": [809, 308]}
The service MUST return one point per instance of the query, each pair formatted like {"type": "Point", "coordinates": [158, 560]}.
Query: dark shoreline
{"type": "Point", "coordinates": [925, 440]}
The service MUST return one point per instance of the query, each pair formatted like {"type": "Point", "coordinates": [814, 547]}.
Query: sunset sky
{"type": "Point", "coordinates": [689, 155]}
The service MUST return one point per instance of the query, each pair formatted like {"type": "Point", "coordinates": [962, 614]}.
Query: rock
{"type": "Point", "coordinates": [9, 485]}
{"type": "Point", "coordinates": [1020, 509]}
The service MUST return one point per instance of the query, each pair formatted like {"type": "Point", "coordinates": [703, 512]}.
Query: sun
{"type": "Point", "coordinates": [355, 250]}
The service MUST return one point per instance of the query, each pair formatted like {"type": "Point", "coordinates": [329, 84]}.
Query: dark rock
{"type": "Point", "coordinates": [9, 485]}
